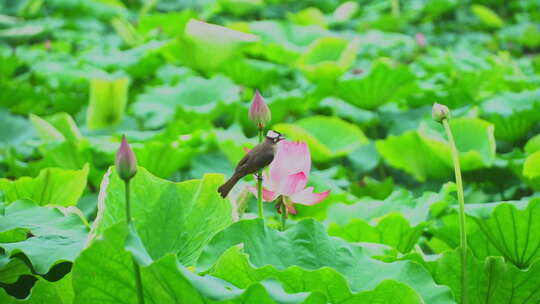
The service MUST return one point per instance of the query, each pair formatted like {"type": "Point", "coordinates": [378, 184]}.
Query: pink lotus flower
{"type": "Point", "coordinates": [288, 175]}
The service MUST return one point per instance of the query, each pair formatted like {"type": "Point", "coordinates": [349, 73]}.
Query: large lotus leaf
{"type": "Point", "coordinates": [207, 46]}
{"type": "Point", "coordinates": [171, 24]}
{"type": "Point", "coordinates": [327, 58]}
{"type": "Point", "coordinates": [103, 273]}
{"type": "Point", "coordinates": [515, 233]}
{"type": "Point", "coordinates": [533, 144]}
{"type": "Point", "coordinates": [284, 42]}
{"type": "Point", "coordinates": [392, 229]}
{"type": "Point", "coordinates": [531, 169]}
{"type": "Point", "coordinates": [108, 100]}
{"type": "Point", "coordinates": [54, 237]}
{"type": "Point", "coordinates": [427, 154]}
{"type": "Point", "coordinates": [59, 126]}
{"type": "Point", "coordinates": [487, 16]}
{"type": "Point", "coordinates": [410, 153]}
{"type": "Point", "coordinates": [320, 133]}
{"type": "Point", "coordinates": [381, 84]}
{"type": "Point", "coordinates": [177, 218]}
{"type": "Point", "coordinates": [473, 137]}
{"type": "Point", "coordinates": [415, 209]}
{"type": "Point", "coordinates": [53, 186]}
{"type": "Point", "coordinates": [251, 72]}
{"type": "Point", "coordinates": [44, 292]}
{"type": "Point", "coordinates": [504, 230]}
{"type": "Point", "coordinates": [241, 7]}
{"type": "Point", "coordinates": [490, 280]}
{"type": "Point", "coordinates": [12, 268]}
{"type": "Point", "coordinates": [163, 158]}
{"type": "Point", "coordinates": [306, 247]}
{"type": "Point", "coordinates": [234, 267]}
{"type": "Point", "coordinates": [193, 94]}
{"type": "Point", "coordinates": [14, 130]}
{"type": "Point", "coordinates": [513, 114]}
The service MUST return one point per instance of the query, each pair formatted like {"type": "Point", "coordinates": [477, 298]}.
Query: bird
{"type": "Point", "coordinates": [259, 157]}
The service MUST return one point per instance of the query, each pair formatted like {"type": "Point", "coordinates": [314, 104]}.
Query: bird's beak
{"type": "Point", "coordinates": [282, 137]}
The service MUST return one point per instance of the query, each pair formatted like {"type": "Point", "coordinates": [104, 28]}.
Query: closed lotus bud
{"type": "Point", "coordinates": [126, 163]}
{"type": "Point", "coordinates": [440, 112]}
{"type": "Point", "coordinates": [259, 112]}
{"type": "Point", "coordinates": [420, 40]}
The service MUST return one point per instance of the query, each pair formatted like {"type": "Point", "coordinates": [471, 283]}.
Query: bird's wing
{"type": "Point", "coordinates": [242, 162]}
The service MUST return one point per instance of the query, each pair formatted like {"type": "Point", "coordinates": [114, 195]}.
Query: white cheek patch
{"type": "Point", "coordinates": [272, 134]}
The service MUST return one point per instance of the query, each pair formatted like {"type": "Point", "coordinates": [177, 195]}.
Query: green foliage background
{"type": "Point", "coordinates": [355, 80]}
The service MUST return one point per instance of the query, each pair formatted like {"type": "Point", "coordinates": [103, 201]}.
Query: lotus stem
{"type": "Point", "coordinates": [136, 268]}
{"type": "Point", "coordinates": [461, 201]}
{"type": "Point", "coordinates": [259, 183]}
{"type": "Point", "coordinates": [283, 214]}
{"type": "Point", "coordinates": [395, 8]}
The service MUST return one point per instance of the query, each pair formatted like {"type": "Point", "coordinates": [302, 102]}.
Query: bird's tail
{"type": "Point", "coordinates": [228, 185]}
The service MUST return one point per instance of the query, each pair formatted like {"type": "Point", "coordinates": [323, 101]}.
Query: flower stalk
{"type": "Point", "coordinates": [260, 114]}
{"type": "Point", "coordinates": [126, 168]}
{"type": "Point", "coordinates": [136, 268]}
{"type": "Point", "coordinates": [441, 114]}
{"type": "Point", "coordinates": [283, 214]}
{"type": "Point", "coordinates": [260, 205]}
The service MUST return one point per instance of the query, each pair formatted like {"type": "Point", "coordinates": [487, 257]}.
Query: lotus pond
{"type": "Point", "coordinates": [409, 172]}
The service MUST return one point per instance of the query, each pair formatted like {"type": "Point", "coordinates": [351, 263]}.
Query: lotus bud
{"type": "Point", "coordinates": [420, 40]}
{"type": "Point", "coordinates": [259, 112]}
{"type": "Point", "coordinates": [440, 112]}
{"type": "Point", "coordinates": [126, 163]}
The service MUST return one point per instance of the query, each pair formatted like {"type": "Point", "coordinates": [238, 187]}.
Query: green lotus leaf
{"type": "Point", "coordinates": [108, 100]}
{"type": "Point", "coordinates": [61, 122]}
{"type": "Point", "coordinates": [44, 292]}
{"type": "Point", "coordinates": [381, 84]}
{"type": "Point", "coordinates": [53, 186]}
{"type": "Point", "coordinates": [104, 273]}
{"type": "Point", "coordinates": [426, 154]}
{"type": "Point", "coordinates": [235, 267]}
{"type": "Point", "coordinates": [490, 280]}
{"type": "Point", "coordinates": [205, 46]}
{"type": "Point", "coordinates": [172, 24]}
{"type": "Point", "coordinates": [14, 130]}
{"type": "Point", "coordinates": [533, 144]}
{"type": "Point", "coordinates": [251, 72]}
{"type": "Point", "coordinates": [308, 16]}
{"type": "Point", "coordinates": [12, 268]}
{"type": "Point", "coordinates": [487, 16]}
{"type": "Point", "coordinates": [327, 58]}
{"type": "Point", "coordinates": [193, 94]}
{"type": "Point", "coordinates": [305, 247]}
{"type": "Point", "coordinates": [531, 169]}
{"type": "Point", "coordinates": [513, 114]}
{"type": "Point", "coordinates": [416, 210]}
{"type": "Point", "coordinates": [498, 229]}
{"type": "Point", "coordinates": [284, 42]}
{"type": "Point", "coordinates": [410, 153]}
{"type": "Point", "coordinates": [392, 229]}
{"type": "Point", "coordinates": [320, 134]}
{"type": "Point", "coordinates": [55, 237]}
{"type": "Point", "coordinates": [177, 218]}
{"type": "Point", "coordinates": [240, 7]}
{"type": "Point", "coordinates": [163, 158]}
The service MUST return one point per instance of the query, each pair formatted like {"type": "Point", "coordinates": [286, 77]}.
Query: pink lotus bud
{"type": "Point", "coordinates": [126, 163]}
{"type": "Point", "coordinates": [259, 112]}
{"type": "Point", "coordinates": [420, 39]}
{"type": "Point", "coordinates": [440, 112]}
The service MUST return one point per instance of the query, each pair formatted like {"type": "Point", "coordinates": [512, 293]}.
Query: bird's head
{"type": "Point", "coordinates": [274, 136]}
